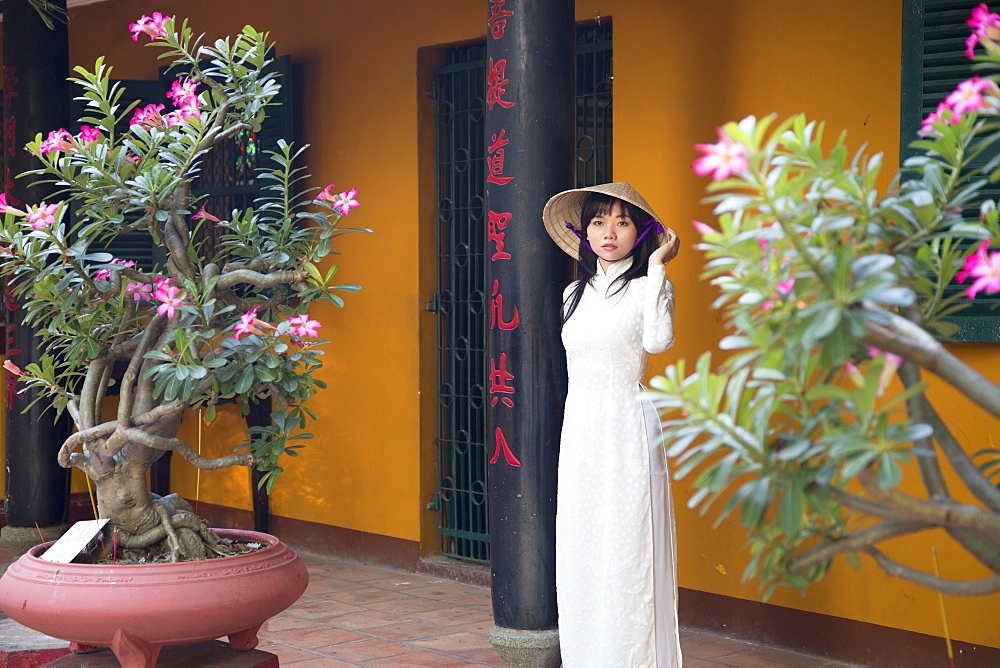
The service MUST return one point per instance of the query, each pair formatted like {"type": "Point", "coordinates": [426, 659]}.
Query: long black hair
{"type": "Point", "coordinates": [586, 266]}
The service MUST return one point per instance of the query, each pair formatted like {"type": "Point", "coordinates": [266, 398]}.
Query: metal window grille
{"type": "Point", "coordinates": [461, 298]}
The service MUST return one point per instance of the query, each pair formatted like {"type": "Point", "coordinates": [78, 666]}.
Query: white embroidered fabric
{"type": "Point", "coordinates": [615, 540]}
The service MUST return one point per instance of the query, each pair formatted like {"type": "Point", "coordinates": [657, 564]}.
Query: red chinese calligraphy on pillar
{"type": "Point", "coordinates": [500, 378]}
{"type": "Point", "coordinates": [498, 18]}
{"type": "Point", "coordinates": [496, 311]}
{"type": "Point", "coordinates": [494, 161]}
{"type": "Point", "coordinates": [496, 81]}
{"type": "Point", "coordinates": [494, 231]}
{"type": "Point", "coordinates": [500, 442]}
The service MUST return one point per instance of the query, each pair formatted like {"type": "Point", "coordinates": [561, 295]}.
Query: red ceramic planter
{"type": "Point", "coordinates": [138, 609]}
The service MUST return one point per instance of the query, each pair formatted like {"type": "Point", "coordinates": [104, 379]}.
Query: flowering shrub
{"type": "Point", "coordinates": [200, 329]}
{"type": "Point", "coordinates": [829, 291]}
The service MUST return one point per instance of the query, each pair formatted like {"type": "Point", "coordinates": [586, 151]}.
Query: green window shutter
{"type": "Point", "coordinates": [933, 63]}
{"type": "Point", "coordinates": [228, 176]}
{"type": "Point", "coordinates": [137, 245]}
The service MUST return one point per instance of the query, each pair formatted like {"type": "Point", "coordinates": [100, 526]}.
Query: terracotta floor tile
{"type": "Point", "coordinates": [488, 657]}
{"type": "Point", "coordinates": [364, 651]}
{"type": "Point", "coordinates": [317, 609]}
{"type": "Point", "coordinates": [432, 659]}
{"type": "Point", "coordinates": [481, 627]}
{"type": "Point", "coordinates": [450, 591]}
{"type": "Point", "coordinates": [320, 662]}
{"type": "Point", "coordinates": [325, 585]}
{"type": "Point", "coordinates": [409, 630]}
{"type": "Point", "coordinates": [769, 657]}
{"type": "Point", "coordinates": [288, 654]}
{"type": "Point", "coordinates": [284, 624]}
{"type": "Point", "coordinates": [363, 620]}
{"type": "Point", "coordinates": [709, 646]}
{"type": "Point", "coordinates": [453, 616]}
{"type": "Point", "coordinates": [695, 662]}
{"type": "Point", "coordinates": [320, 638]}
{"type": "Point", "coordinates": [366, 595]}
{"type": "Point", "coordinates": [409, 606]}
{"type": "Point", "coordinates": [454, 643]}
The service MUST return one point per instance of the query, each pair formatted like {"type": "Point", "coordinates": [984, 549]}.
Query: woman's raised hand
{"type": "Point", "coordinates": [666, 252]}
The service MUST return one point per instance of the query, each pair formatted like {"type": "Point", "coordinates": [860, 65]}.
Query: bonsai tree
{"type": "Point", "coordinates": [830, 290]}
{"type": "Point", "coordinates": [215, 322]}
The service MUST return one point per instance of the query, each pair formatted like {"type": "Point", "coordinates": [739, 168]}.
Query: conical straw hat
{"type": "Point", "coordinates": [567, 206]}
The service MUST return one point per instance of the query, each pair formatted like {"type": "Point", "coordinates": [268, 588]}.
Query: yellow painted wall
{"type": "Point", "coordinates": [681, 68]}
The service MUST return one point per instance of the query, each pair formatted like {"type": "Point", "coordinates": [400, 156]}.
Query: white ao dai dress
{"type": "Point", "coordinates": [615, 553]}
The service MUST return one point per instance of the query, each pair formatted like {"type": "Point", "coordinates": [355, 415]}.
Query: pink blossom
{"type": "Point", "coordinates": [89, 135]}
{"type": "Point", "coordinates": [892, 364]}
{"type": "Point", "coordinates": [201, 213]}
{"type": "Point", "coordinates": [42, 216]}
{"type": "Point", "coordinates": [984, 268]}
{"type": "Point", "coordinates": [58, 140]}
{"type": "Point", "coordinates": [721, 159]}
{"type": "Point", "coordinates": [782, 290]}
{"type": "Point", "coordinates": [168, 296]}
{"type": "Point", "coordinates": [302, 326]}
{"type": "Point", "coordinates": [968, 96]}
{"type": "Point", "coordinates": [249, 323]}
{"type": "Point", "coordinates": [943, 114]}
{"type": "Point", "coordinates": [326, 195]}
{"type": "Point", "coordinates": [140, 291]}
{"type": "Point", "coordinates": [345, 201]}
{"type": "Point", "coordinates": [150, 25]}
{"type": "Point", "coordinates": [149, 116]}
{"type": "Point", "coordinates": [985, 26]}
{"type": "Point", "coordinates": [6, 208]}
{"type": "Point", "coordinates": [105, 274]}
{"type": "Point", "coordinates": [185, 96]}
{"type": "Point", "coordinates": [13, 368]}
{"type": "Point", "coordinates": [854, 373]}
{"type": "Point", "coordinates": [703, 229]}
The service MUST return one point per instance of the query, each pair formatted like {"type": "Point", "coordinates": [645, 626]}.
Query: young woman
{"type": "Point", "coordinates": [615, 555]}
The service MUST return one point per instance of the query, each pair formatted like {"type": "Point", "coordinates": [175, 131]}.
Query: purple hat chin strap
{"type": "Point", "coordinates": [651, 224]}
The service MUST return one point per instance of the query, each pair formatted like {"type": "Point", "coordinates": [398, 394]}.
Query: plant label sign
{"type": "Point", "coordinates": [74, 540]}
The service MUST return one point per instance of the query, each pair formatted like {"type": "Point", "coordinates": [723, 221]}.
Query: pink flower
{"type": "Point", "coordinates": [13, 368]}
{"type": "Point", "coordinates": [41, 216]}
{"type": "Point", "coordinates": [302, 326]}
{"type": "Point", "coordinates": [968, 96]}
{"type": "Point", "coordinates": [185, 99]}
{"type": "Point", "coordinates": [854, 373]}
{"type": "Point", "coordinates": [151, 25]}
{"type": "Point", "coordinates": [149, 116]}
{"type": "Point", "coordinates": [201, 213]}
{"type": "Point", "coordinates": [168, 297]}
{"type": "Point", "coordinates": [140, 291]}
{"type": "Point", "coordinates": [782, 290]}
{"type": "Point", "coordinates": [985, 269]}
{"type": "Point", "coordinates": [105, 274]}
{"type": "Point", "coordinates": [985, 26]}
{"type": "Point", "coordinates": [345, 201]}
{"type": "Point", "coordinates": [89, 135]}
{"type": "Point", "coordinates": [6, 208]}
{"type": "Point", "coordinates": [327, 195]}
{"type": "Point", "coordinates": [892, 364]}
{"type": "Point", "coordinates": [943, 114]}
{"type": "Point", "coordinates": [703, 229]}
{"type": "Point", "coordinates": [721, 159]}
{"type": "Point", "coordinates": [183, 90]}
{"type": "Point", "coordinates": [58, 140]}
{"type": "Point", "coordinates": [249, 323]}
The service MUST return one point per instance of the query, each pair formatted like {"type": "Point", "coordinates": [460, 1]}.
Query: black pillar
{"type": "Point", "coordinates": [260, 416]}
{"type": "Point", "coordinates": [36, 99]}
{"type": "Point", "coordinates": [529, 140]}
